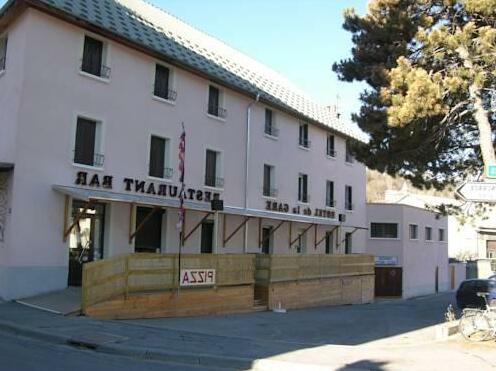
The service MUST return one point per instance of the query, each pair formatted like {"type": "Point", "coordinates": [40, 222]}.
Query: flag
{"type": "Point", "coordinates": [182, 156]}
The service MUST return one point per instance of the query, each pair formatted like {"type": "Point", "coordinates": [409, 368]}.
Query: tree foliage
{"type": "Point", "coordinates": [431, 71]}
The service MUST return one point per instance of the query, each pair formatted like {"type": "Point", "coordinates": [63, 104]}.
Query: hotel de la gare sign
{"type": "Point", "coordinates": [151, 188]}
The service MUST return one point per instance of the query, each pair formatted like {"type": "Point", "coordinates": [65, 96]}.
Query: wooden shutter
{"type": "Point", "coordinates": [211, 168]}
{"type": "Point", "coordinates": [304, 190]}
{"type": "Point", "coordinates": [92, 56]}
{"type": "Point", "coordinates": [213, 100]}
{"type": "Point", "coordinates": [157, 157]}
{"type": "Point", "coordinates": [84, 151]}
{"type": "Point", "coordinates": [161, 82]}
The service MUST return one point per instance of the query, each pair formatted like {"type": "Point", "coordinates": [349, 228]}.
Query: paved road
{"type": "Point", "coordinates": [23, 354]}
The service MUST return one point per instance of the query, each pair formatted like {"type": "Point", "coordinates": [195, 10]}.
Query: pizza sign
{"type": "Point", "coordinates": [197, 277]}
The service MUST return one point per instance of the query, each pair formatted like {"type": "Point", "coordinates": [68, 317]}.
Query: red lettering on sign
{"type": "Point", "coordinates": [185, 278]}
{"type": "Point", "coordinates": [210, 276]}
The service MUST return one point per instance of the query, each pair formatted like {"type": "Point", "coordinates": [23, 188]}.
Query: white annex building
{"type": "Point", "coordinates": [92, 97]}
{"type": "Point", "coordinates": [410, 245]}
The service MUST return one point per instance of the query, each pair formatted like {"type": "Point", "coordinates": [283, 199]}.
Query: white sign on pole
{"type": "Point", "coordinates": [197, 277]}
{"type": "Point", "coordinates": [478, 191]}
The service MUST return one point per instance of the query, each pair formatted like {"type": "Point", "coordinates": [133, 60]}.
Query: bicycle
{"type": "Point", "coordinates": [478, 324]}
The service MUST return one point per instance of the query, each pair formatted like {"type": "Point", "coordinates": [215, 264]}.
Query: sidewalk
{"type": "Point", "coordinates": [377, 336]}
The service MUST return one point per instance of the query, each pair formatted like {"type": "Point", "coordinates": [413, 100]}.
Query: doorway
{"type": "Point", "coordinates": [149, 237]}
{"type": "Point", "coordinates": [388, 281]}
{"type": "Point", "coordinates": [207, 237]}
{"type": "Point", "coordinates": [86, 238]}
{"type": "Point", "coordinates": [267, 240]}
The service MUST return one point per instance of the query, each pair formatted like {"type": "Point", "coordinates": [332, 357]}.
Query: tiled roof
{"type": "Point", "coordinates": [147, 25]}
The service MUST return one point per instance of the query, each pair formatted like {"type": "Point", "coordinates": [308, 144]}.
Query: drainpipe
{"type": "Point", "coordinates": [247, 164]}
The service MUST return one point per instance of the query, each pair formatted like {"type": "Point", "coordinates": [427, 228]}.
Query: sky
{"type": "Point", "coordinates": [300, 39]}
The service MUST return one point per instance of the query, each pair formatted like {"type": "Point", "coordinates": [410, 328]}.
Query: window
{"type": "Point", "coordinates": [413, 231]}
{"type": "Point", "coordinates": [428, 233]}
{"type": "Point", "coordinates": [214, 102]}
{"type": "Point", "coordinates": [93, 58]}
{"type": "Point", "coordinates": [330, 194]}
{"type": "Point", "coordinates": [331, 152]}
{"type": "Point", "coordinates": [348, 198]}
{"type": "Point", "coordinates": [212, 169]}
{"type": "Point", "coordinates": [441, 234]}
{"type": "Point", "coordinates": [88, 143]}
{"type": "Point", "coordinates": [329, 242]}
{"type": "Point", "coordinates": [269, 189]}
{"type": "Point", "coordinates": [159, 158]}
{"type": "Point", "coordinates": [267, 240]}
{"type": "Point", "coordinates": [301, 247]}
{"type": "Point", "coordinates": [162, 83]}
{"type": "Point", "coordinates": [303, 138]}
{"type": "Point", "coordinates": [383, 230]}
{"type": "Point", "coordinates": [348, 243]}
{"type": "Point", "coordinates": [3, 53]}
{"type": "Point", "coordinates": [149, 236]}
{"type": "Point", "coordinates": [303, 188]}
{"type": "Point", "coordinates": [349, 156]}
{"type": "Point", "coordinates": [270, 127]}
{"type": "Point", "coordinates": [207, 237]}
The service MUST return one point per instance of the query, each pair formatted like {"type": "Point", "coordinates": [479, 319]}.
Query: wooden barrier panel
{"type": "Point", "coordinates": [281, 268]}
{"type": "Point", "coordinates": [144, 272]}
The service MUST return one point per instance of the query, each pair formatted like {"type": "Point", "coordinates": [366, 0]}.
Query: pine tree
{"type": "Point", "coordinates": [431, 69]}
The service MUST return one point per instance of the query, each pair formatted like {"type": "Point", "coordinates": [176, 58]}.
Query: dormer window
{"type": "Point", "coordinates": [215, 100]}
{"type": "Point", "coordinates": [94, 55]}
{"type": "Point", "coordinates": [3, 53]}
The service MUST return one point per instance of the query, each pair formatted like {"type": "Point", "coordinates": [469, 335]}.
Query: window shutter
{"type": "Point", "coordinates": [157, 157]}
{"type": "Point", "coordinates": [162, 82]}
{"type": "Point", "coordinates": [304, 190]}
{"type": "Point", "coordinates": [85, 142]}
{"type": "Point", "coordinates": [92, 56]}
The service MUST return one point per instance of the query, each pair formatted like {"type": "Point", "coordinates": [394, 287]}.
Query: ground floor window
{"type": "Point", "coordinates": [329, 242]}
{"type": "Point", "coordinates": [301, 247]}
{"type": "Point", "coordinates": [347, 243]}
{"type": "Point", "coordinates": [267, 240]}
{"type": "Point", "coordinates": [207, 237]}
{"type": "Point", "coordinates": [149, 230]}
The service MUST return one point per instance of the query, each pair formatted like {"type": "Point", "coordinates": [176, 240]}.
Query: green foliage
{"type": "Point", "coordinates": [422, 61]}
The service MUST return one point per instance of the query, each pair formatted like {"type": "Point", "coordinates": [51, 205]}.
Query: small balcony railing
{"type": "Point", "coordinates": [97, 160]}
{"type": "Point", "coordinates": [103, 71]}
{"type": "Point", "coordinates": [331, 152]}
{"type": "Point", "coordinates": [304, 142]}
{"type": "Point", "coordinates": [272, 130]}
{"type": "Point", "coordinates": [305, 198]}
{"type": "Point", "coordinates": [330, 202]}
{"type": "Point", "coordinates": [269, 192]}
{"type": "Point", "coordinates": [169, 94]}
{"type": "Point", "coordinates": [216, 182]}
{"type": "Point", "coordinates": [165, 173]}
{"type": "Point", "coordinates": [349, 206]}
{"type": "Point", "coordinates": [217, 111]}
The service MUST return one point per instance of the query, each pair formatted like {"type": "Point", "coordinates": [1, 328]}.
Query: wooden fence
{"type": "Point", "coordinates": [142, 272]}
{"type": "Point", "coordinates": [281, 268]}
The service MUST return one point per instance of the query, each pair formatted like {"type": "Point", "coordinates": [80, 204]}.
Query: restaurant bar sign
{"type": "Point", "coordinates": [144, 187]}
{"type": "Point", "coordinates": [197, 277]}
{"type": "Point", "coordinates": [285, 208]}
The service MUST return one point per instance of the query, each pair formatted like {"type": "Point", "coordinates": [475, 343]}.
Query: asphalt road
{"type": "Point", "coordinates": [23, 354]}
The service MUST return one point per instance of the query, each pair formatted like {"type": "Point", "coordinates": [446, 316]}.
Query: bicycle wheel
{"type": "Point", "coordinates": [474, 327]}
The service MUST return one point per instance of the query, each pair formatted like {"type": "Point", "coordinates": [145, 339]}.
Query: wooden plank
{"type": "Point", "coordinates": [301, 234]}
{"type": "Point", "coordinates": [87, 205]}
{"type": "Point", "coordinates": [273, 230]}
{"type": "Point", "coordinates": [143, 222]}
{"type": "Point", "coordinates": [243, 223]}
{"type": "Point", "coordinates": [323, 238]}
{"type": "Point", "coordinates": [188, 235]}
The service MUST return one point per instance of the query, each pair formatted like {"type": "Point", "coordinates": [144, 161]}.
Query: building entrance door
{"type": "Point", "coordinates": [86, 239]}
{"type": "Point", "coordinates": [388, 281]}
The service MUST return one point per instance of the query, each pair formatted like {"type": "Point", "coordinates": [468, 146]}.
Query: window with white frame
{"type": "Point", "coordinates": [348, 198]}
{"type": "Point", "coordinates": [348, 243]}
{"type": "Point", "coordinates": [303, 136]}
{"type": "Point", "coordinates": [94, 58]}
{"type": "Point", "coordinates": [163, 83]}
{"type": "Point", "coordinates": [329, 242]}
{"type": "Point", "coordinates": [384, 230]}
{"type": "Point", "coordinates": [303, 188]}
{"type": "Point", "coordinates": [428, 233]}
{"type": "Point", "coordinates": [213, 166]}
{"type": "Point", "coordinates": [3, 52]}
{"type": "Point", "coordinates": [330, 150]}
{"type": "Point", "coordinates": [215, 102]}
{"type": "Point", "coordinates": [88, 143]}
{"type": "Point", "coordinates": [270, 126]}
{"type": "Point", "coordinates": [441, 234]}
{"type": "Point", "coordinates": [413, 231]}
{"type": "Point", "coordinates": [301, 243]}
{"type": "Point", "coordinates": [349, 156]}
{"type": "Point", "coordinates": [159, 166]}
{"type": "Point", "coordinates": [269, 189]}
{"type": "Point", "coordinates": [330, 201]}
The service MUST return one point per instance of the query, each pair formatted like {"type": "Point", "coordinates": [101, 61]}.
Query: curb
{"type": "Point", "coordinates": [158, 355]}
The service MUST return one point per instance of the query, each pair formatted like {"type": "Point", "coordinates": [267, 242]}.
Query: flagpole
{"type": "Point", "coordinates": [182, 211]}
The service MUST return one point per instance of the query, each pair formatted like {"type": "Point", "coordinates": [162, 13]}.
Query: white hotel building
{"type": "Point", "coordinates": [92, 97]}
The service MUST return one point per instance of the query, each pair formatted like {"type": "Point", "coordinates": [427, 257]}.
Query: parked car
{"type": "Point", "coordinates": [466, 295]}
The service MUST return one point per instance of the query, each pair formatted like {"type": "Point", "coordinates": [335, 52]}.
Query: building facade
{"type": "Point", "coordinates": [410, 246]}
{"type": "Point", "coordinates": [92, 100]}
